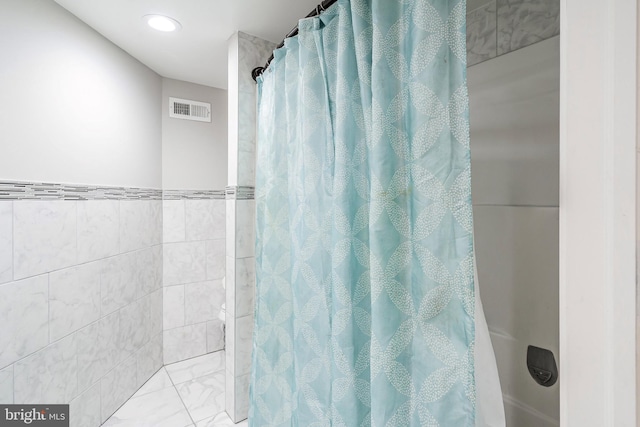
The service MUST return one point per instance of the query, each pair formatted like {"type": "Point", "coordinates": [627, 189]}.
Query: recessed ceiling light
{"type": "Point", "coordinates": [162, 23]}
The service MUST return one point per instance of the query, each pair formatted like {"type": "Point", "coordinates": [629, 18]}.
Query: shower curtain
{"type": "Point", "coordinates": [365, 302]}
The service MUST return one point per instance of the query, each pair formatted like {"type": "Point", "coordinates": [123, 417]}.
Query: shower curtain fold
{"type": "Point", "coordinates": [365, 301]}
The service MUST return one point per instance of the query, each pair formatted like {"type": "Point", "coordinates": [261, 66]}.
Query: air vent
{"type": "Point", "coordinates": [189, 110]}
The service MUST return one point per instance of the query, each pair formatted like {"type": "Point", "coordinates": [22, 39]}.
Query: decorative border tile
{"type": "Point", "coordinates": [15, 190]}
{"type": "Point", "coordinates": [193, 194]}
{"type": "Point", "coordinates": [12, 190]}
{"type": "Point", "coordinates": [240, 192]}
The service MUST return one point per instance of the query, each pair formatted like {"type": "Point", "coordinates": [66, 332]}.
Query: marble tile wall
{"type": "Point", "coordinates": [497, 27]}
{"type": "Point", "coordinates": [193, 275]}
{"type": "Point", "coordinates": [80, 297]}
{"type": "Point", "coordinates": [245, 53]}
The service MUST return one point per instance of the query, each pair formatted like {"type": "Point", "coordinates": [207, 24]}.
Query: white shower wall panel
{"type": "Point", "coordinates": [514, 117]}
{"type": "Point", "coordinates": [517, 254]}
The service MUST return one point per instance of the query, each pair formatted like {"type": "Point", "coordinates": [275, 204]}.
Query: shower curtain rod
{"type": "Point", "coordinates": [315, 12]}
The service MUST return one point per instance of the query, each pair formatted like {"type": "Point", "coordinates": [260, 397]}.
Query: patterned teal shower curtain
{"type": "Point", "coordinates": [364, 255]}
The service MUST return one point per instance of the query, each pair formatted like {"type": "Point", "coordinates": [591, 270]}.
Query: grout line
{"type": "Point", "coordinates": [180, 397]}
{"type": "Point", "coordinates": [184, 306]}
{"type": "Point", "coordinates": [114, 312]}
{"type": "Point", "coordinates": [131, 252]}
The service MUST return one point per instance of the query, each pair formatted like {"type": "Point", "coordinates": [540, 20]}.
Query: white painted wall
{"type": "Point", "coordinates": [194, 153]}
{"type": "Point", "coordinates": [74, 108]}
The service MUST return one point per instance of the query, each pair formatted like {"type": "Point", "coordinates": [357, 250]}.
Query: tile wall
{"type": "Point", "coordinates": [193, 274]}
{"type": "Point", "coordinates": [245, 53]}
{"type": "Point", "coordinates": [80, 296]}
{"type": "Point", "coordinates": [496, 27]}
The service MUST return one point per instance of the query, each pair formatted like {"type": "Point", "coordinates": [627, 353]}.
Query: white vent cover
{"type": "Point", "coordinates": [189, 110]}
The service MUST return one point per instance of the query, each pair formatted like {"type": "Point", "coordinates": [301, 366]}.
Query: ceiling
{"type": "Point", "coordinates": [198, 52]}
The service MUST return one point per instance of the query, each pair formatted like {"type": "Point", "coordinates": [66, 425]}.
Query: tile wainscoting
{"type": "Point", "coordinates": [83, 272]}
{"type": "Point", "coordinates": [193, 274]}
{"type": "Point", "coordinates": [80, 299]}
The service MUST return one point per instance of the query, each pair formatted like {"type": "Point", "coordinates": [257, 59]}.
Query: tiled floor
{"type": "Point", "coordinates": [183, 394]}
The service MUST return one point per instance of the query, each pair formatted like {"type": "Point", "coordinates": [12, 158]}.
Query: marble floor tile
{"type": "Point", "coordinates": [221, 420]}
{"type": "Point", "coordinates": [204, 396]}
{"type": "Point", "coordinates": [179, 395]}
{"type": "Point", "coordinates": [191, 369]}
{"type": "Point", "coordinates": [162, 408]}
{"type": "Point", "coordinates": [157, 382]}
